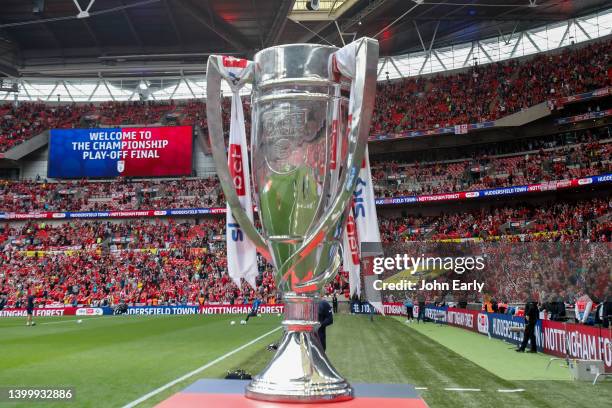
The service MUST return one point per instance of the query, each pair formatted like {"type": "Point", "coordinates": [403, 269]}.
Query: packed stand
{"type": "Point", "coordinates": [103, 263]}
{"type": "Point", "coordinates": [587, 220]}
{"type": "Point", "coordinates": [25, 120]}
{"type": "Point", "coordinates": [120, 194]}
{"type": "Point", "coordinates": [587, 153]}
{"type": "Point", "coordinates": [489, 92]}
{"type": "Point", "coordinates": [165, 262]}
{"type": "Point", "coordinates": [560, 250]}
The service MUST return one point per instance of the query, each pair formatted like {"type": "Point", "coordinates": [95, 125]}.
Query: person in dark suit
{"type": "Point", "coordinates": [421, 314]}
{"type": "Point", "coordinates": [335, 302]}
{"type": "Point", "coordinates": [603, 313]}
{"type": "Point", "coordinates": [532, 313]}
{"type": "Point", "coordinates": [326, 318]}
{"type": "Point", "coordinates": [30, 309]}
{"type": "Point", "coordinates": [607, 311]}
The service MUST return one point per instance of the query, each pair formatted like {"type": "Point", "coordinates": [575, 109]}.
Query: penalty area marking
{"type": "Point", "coordinates": [517, 390]}
{"type": "Point", "coordinates": [197, 370]}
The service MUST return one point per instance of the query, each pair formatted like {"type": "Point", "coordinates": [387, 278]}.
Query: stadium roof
{"type": "Point", "coordinates": [49, 39]}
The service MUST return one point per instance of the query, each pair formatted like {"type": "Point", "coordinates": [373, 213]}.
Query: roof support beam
{"type": "Point", "coordinates": [107, 88]}
{"type": "Point", "coordinates": [532, 42]}
{"type": "Point", "coordinates": [189, 86]}
{"type": "Point", "coordinates": [53, 90]}
{"type": "Point", "coordinates": [67, 90]}
{"type": "Point", "coordinates": [396, 68]}
{"type": "Point", "coordinates": [577, 22]}
{"type": "Point", "coordinates": [435, 54]}
{"type": "Point", "coordinates": [503, 37]}
{"type": "Point", "coordinates": [416, 27]}
{"type": "Point", "coordinates": [384, 64]}
{"type": "Point", "coordinates": [428, 51]}
{"type": "Point", "coordinates": [94, 91]}
{"type": "Point", "coordinates": [424, 63]}
{"type": "Point", "coordinates": [468, 56]}
{"type": "Point", "coordinates": [516, 44]}
{"type": "Point", "coordinates": [569, 24]}
{"type": "Point", "coordinates": [484, 51]}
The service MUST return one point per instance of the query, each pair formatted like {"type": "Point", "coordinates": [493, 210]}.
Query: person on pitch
{"type": "Point", "coordinates": [335, 302]}
{"type": "Point", "coordinates": [254, 309]}
{"type": "Point", "coordinates": [532, 313]}
{"type": "Point", "coordinates": [421, 315]}
{"type": "Point", "coordinates": [326, 318]}
{"type": "Point", "coordinates": [409, 308]}
{"type": "Point", "coordinates": [30, 308]}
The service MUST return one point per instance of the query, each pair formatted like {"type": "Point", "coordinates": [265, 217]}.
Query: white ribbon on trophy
{"type": "Point", "coordinates": [241, 252]}
{"type": "Point", "coordinates": [350, 255]}
{"type": "Point", "coordinates": [362, 224]}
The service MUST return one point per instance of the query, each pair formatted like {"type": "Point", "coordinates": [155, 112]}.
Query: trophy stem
{"type": "Point", "coordinates": [300, 370]}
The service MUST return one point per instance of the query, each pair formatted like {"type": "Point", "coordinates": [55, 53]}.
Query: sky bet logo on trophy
{"type": "Point", "coordinates": [303, 183]}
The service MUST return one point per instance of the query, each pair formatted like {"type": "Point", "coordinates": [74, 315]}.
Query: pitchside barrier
{"type": "Point", "coordinates": [555, 338]}
{"type": "Point", "coordinates": [206, 309]}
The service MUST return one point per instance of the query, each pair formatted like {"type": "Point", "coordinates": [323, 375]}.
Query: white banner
{"type": "Point", "coordinates": [364, 211]}
{"type": "Point", "coordinates": [241, 252]}
{"type": "Point", "coordinates": [342, 64]}
{"type": "Point", "coordinates": [350, 255]}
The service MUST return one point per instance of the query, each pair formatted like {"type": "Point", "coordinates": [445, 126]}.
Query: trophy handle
{"type": "Point", "coordinates": [214, 77]}
{"type": "Point", "coordinates": [363, 90]}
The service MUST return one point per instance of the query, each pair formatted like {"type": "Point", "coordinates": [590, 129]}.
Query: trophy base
{"type": "Point", "coordinates": [300, 371]}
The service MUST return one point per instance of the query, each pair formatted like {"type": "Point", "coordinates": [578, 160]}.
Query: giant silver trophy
{"type": "Point", "coordinates": [302, 203]}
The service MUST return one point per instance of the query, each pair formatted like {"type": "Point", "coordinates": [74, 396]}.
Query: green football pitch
{"type": "Point", "coordinates": [113, 361]}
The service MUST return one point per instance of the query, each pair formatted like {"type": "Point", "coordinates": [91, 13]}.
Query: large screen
{"type": "Point", "coordinates": [112, 152]}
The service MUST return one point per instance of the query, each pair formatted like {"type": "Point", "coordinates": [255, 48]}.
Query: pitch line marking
{"type": "Point", "coordinates": [463, 389]}
{"type": "Point", "coordinates": [74, 320]}
{"type": "Point", "coordinates": [516, 390]}
{"type": "Point", "coordinates": [420, 388]}
{"type": "Point", "coordinates": [197, 370]}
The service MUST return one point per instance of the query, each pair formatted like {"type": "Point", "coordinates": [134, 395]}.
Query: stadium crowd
{"type": "Point", "coordinates": [101, 262]}
{"type": "Point", "coordinates": [119, 194]}
{"type": "Point", "coordinates": [560, 221]}
{"type": "Point", "coordinates": [590, 156]}
{"type": "Point", "coordinates": [488, 92]}
{"type": "Point", "coordinates": [482, 93]}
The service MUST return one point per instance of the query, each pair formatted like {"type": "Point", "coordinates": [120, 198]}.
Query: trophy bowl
{"type": "Point", "coordinates": [307, 146]}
